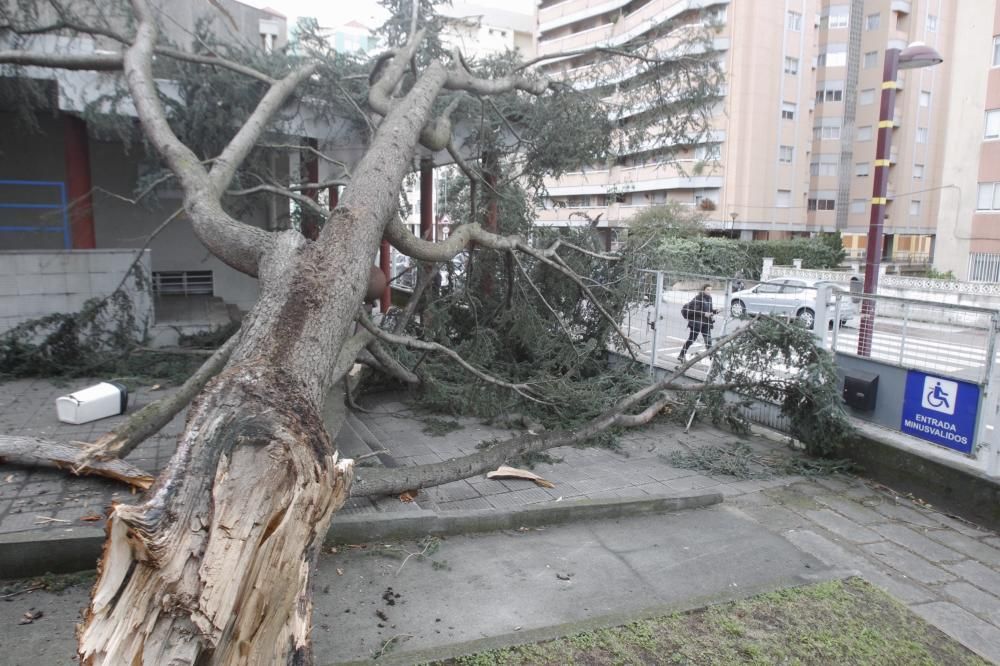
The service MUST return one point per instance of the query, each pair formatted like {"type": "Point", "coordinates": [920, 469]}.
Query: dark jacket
{"type": "Point", "coordinates": [700, 313]}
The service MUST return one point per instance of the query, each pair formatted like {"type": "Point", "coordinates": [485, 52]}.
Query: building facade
{"type": "Point", "coordinates": [968, 234]}
{"type": "Point", "coordinates": [792, 145]}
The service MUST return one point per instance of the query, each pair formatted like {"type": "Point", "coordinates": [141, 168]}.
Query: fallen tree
{"type": "Point", "coordinates": [213, 565]}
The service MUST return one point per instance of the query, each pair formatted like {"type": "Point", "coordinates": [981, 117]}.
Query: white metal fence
{"type": "Point", "coordinates": [953, 341]}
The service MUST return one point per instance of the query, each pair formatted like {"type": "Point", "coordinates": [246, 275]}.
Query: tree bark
{"type": "Point", "coordinates": [150, 419]}
{"type": "Point", "coordinates": [35, 451]}
{"type": "Point", "coordinates": [247, 499]}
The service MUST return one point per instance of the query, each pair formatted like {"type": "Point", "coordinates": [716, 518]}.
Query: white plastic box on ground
{"type": "Point", "coordinates": [92, 403]}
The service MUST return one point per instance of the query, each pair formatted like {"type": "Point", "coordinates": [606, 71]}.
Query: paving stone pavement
{"type": "Point", "coordinates": [944, 569]}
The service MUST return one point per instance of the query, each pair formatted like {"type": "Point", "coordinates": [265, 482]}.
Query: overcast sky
{"type": "Point", "coordinates": [368, 12]}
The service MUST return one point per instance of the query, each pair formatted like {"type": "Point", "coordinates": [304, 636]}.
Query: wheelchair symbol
{"type": "Point", "coordinates": [937, 397]}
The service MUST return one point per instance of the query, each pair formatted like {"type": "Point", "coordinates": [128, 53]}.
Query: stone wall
{"type": "Point", "coordinates": [42, 282]}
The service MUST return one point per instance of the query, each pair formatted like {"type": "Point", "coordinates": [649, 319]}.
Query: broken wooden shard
{"type": "Point", "coordinates": [506, 472]}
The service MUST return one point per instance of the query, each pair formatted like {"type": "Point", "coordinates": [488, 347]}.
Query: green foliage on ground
{"type": "Point", "coordinates": [739, 460]}
{"type": "Point", "coordinates": [104, 339]}
{"type": "Point", "coordinates": [806, 390]}
{"type": "Point", "coordinates": [837, 622]}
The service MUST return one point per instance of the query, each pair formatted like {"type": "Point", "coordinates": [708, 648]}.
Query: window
{"type": "Point", "coordinates": [832, 59]}
{"type": "Point", "coordinates": [708, 152]}
{"type": "Point", "coordinates": [989, 196]}
{"type": "Point", "coordinates": [861, 169]}
{"type": "Point", "coordinates": [993, 124]}
{"type": "Point", "coordinates": [838, 17]}
{"type": "Point", "coordinates": [788, 111]}
{"type": "Point", "coordinates": [858, 205]}
{"type": "Point", "coordinates": [822, 204]}
{"type": "Point", "coordinates": [872, 21]}
{"type": "Point", "coordinates": [784, 199]}
{"type": "Point", "coordinates": [921, 135]}
{"type": "Point", "coordinates": [931, 23]}
{"type": "Point", "coordinates": [769, 287]}
{"type": "Point", "coordinates": [918, 170]}
{"type": "Point", "coordinates": [830, 91]}
{"type": "Point", "coordinates": [791, 65]}
{"type": "Point", "coordinates": [996, 51]}
{"type": "Point", "coordinates": [865, 133]}
{"type": "Point", "coordinates": [829, 129]}
{"type": "Point", "coordinates": [794, 21]}
{"type": "Point", "coordinates": [925, 98]}
{"type": "Point", "coordinates": [785, 154]}
{"type": "Point", "coordinates": [866, 96]}
{"type": "Point", "coordinates": [871, 59]}
{"type": "Point", "coordinates": [823, 168]}
{"type": "Point", "coordinates": [914, 207]}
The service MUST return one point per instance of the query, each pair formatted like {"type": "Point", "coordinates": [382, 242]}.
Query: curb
{"type": "Point", "coordinates": [416, 524]}
{"type": "Point", "coordinates": [510, 639]}
{"type": "Point", "coordinates": [27, 554]}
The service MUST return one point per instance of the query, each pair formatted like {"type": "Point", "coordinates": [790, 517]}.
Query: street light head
{"type": "Point", "coordinates": [918, 55]}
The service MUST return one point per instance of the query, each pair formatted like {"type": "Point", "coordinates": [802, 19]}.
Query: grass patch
{"type": "Point", "coordinates": [837, 622]}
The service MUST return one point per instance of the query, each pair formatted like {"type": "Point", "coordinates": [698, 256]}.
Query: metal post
{"type": "Point", "coordinates": [837, 296]}
{"type": "Point", "coordinates": [880, 180]}
{"type": "Point", "coordinates": [902, 337]}
{"type": "Point", "coordinates": [656, 323]}
{"type": "Point", "coordinates": [821, 318]}
{"type": "Point", "coordinates": [988, 429]}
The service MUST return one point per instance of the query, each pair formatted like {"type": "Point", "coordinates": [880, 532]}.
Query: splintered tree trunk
{"type": "Point", "coordinates": [214, 567]}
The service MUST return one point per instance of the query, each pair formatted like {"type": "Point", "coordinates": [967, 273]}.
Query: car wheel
{"type": "Point", "coordinates": [737, 309]}
{"type": "Point", "coordinates": [806, 317]}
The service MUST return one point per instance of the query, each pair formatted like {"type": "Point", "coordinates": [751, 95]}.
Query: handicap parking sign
{"type": "Point", "coordinates": [939, 410]}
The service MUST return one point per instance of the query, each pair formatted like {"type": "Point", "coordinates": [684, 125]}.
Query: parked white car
{"type": "Point", "coordinates": [793, 298]}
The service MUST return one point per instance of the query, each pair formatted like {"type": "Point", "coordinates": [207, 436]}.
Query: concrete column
{"type": "Point", "coordinates": [78, 183]}
{"type": "Point", "coordinates": [766, 265]}
{"type": "Point", "coordinates": [797, 263]}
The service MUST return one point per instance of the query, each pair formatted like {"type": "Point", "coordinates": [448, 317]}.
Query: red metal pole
{"type": "Point", "coordinates": [427, 199]}
{"type": "Point", "coordinates": [383, 263]}
{"type": "Point", "coordinates": [310, 229]}
{"type": "Point", "coordinates": [78, 184]}
{"type": "Point", "coordinates": [880, 183]}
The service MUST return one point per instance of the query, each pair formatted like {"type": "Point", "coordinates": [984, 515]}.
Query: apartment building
{"type": "Point", "coordinates": [792, 145]}
{"type": "Point", "coordinates": [968, 233]}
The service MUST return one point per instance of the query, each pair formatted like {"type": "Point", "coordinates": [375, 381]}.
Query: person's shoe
{"type": "Point", "coordinates": [680, 357]}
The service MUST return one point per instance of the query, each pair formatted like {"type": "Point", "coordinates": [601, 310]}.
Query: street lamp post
{"type": "Point", "coordinates": [912, 57]}
{"type": "Point", "coordinates": [734, 215]}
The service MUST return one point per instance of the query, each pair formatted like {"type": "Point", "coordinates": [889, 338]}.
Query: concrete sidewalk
{"type": "Point", "coordinates": [945, 570]}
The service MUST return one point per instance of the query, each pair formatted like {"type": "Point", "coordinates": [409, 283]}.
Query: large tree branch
{"type": "Point", "coordinates": [34, 451]}
{"type": "Point", "coordinates": [413, 343]}
{"type": "Point", "coordinates": [240, 146]}
{"type": "Point", "coordinates": [380, 92]}
{"type": "Point", "coordinates": [99, 62]}
{"type": "Point", "coordinates": [399, 479]}
{"type": "Point", "coordinates": [150, 419]}
{"type": "Point", "coordinates": [389, 365]}
{"type": "Point", "coordinates": [237, 244]}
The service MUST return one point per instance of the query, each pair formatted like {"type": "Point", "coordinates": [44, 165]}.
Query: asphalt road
{"type": "Point", "coordinates": [949, 349]}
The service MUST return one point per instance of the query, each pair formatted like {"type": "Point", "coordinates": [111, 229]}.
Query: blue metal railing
{"type": "Point", "coordinates": [64, 228]}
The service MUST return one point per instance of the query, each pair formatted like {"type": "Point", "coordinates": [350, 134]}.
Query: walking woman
{"type": "Point", "coordinates": [699, 314]}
